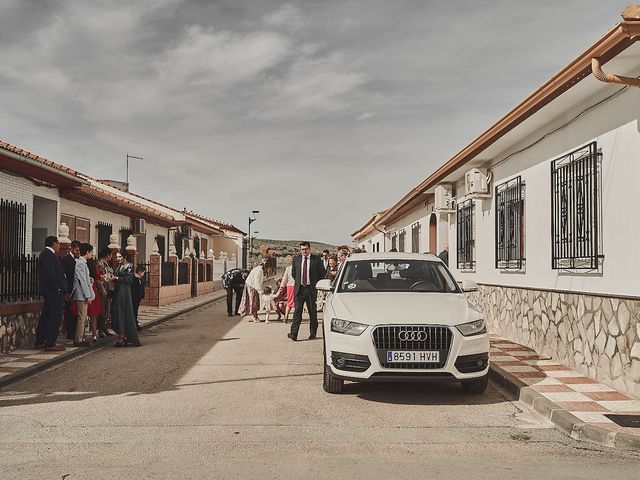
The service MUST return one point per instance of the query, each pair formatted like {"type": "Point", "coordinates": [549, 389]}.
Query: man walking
{"type": "Point", "coordinates": [82, 293]}
{"type": "Point", "coordinates": [307, 270]}
{"type": "Point", "coordinates": [69, 266]}
{"type": "Point", "coordinates": [233, 282]}
{"type": "Point", "coordinates": [53, 284]}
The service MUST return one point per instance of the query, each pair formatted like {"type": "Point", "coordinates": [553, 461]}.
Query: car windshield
{"type": "Point", "coordinates": [396, 276]}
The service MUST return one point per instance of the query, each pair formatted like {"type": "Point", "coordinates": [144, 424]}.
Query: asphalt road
{"type": "Point", "coordinates": [211, 397]}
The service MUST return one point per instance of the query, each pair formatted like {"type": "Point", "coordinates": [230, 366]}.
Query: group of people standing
{"type": "Point", "coordinates": [296, 290]}
{"type": "Point", "coordinates": [87, 290]}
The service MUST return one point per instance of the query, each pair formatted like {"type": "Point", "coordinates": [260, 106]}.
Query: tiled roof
{"type": "Point", "coordinates": [38, 158]}
{"type": "Point", "coordinates": [104, 195]}
{"type": "Point", "coordinates": [217, 223]}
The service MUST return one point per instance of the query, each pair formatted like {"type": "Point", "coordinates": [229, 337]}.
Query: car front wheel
{"type": "Point", "coordinates": [330, 383]}
{"type": "Point", "coordinates": [477, 385]}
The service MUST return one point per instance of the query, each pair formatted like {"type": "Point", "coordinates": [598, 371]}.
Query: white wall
{"type": "Point", "coordinates": [616, 129]}
{"type": "Point", "coordinates": [22, 190]}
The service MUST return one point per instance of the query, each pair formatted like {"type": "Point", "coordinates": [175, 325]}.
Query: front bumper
{"type": "Point", "coordinates": [361, 360]}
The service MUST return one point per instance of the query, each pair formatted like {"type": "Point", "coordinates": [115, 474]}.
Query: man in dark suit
{"type": "Point", "coordinates": [69, 267]}
{"type": "Point", "coordinates": [53, 285]}
{"type": "Point", "coordinates": [307, 270]}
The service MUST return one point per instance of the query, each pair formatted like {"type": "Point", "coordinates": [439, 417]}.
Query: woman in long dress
{"type": "Point", "coordinates": [122, 318]}
{"type": "Point", "coordinates": [250, 303]}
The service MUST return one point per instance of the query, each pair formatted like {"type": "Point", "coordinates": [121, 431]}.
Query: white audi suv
{"type": "Point", "coordinates": [401, 317]}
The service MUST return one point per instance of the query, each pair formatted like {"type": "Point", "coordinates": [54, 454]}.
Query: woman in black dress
{"type": "Point", "coordinates": [122, 318]}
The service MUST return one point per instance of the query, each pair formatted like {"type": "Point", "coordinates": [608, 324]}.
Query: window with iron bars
{"type": "Point", "coordinates": [394, 241]}
{"type": "Point", "coordinates": [510, 253]}
{"type": "Point", "coordinates": [465, 235]}
{"type": "Point", "coordinates": [415, 238]}
{"type": "Point", "coordinates": [401, 237]}
{"type": "Point", "coordinates": [576, 210]}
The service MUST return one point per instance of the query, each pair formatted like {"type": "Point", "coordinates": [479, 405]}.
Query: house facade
{"type": "Point", "coordinates": [185, 253]}
{"type": "Point", "coordinates": [540, 211]}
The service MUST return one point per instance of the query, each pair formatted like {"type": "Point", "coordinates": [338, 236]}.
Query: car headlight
{"type": "Point", "coordinates": [348, 328]}
{"type": "Point", "coordinates": [477, 327]}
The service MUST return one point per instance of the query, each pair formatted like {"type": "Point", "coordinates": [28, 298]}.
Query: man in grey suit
{"type": "Point", "coordinates": [307, 270]}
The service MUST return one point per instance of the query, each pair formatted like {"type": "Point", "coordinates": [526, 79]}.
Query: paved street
{"type": "Point", "coordinates": [212, 397]}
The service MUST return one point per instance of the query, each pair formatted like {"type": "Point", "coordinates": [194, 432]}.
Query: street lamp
{"type": "Point", "coordinates": [251, 220]}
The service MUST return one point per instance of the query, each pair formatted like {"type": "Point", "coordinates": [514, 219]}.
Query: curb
{"type": "Point", "coordinates": [561, 418]}
{"type": "Point", "coordinates": [102, 342]}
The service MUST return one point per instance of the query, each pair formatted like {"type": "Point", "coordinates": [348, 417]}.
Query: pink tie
{"type": "Point", "coordinates": [305, 280]}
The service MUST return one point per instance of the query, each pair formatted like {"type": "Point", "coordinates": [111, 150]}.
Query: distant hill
{"type": "Point", "coordinates": [285, 248]}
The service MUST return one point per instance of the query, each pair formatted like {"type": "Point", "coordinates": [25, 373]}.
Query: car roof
{"type": "Point", "coordinates": [393, 256]}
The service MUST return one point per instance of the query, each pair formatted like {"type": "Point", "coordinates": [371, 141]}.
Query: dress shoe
{"type": "Point", "coordinates": [38, 346]}
{"type": "Point", "coordinates": [55, 348]}
{"type": "Point", "coordinates": [312, 337]}
{"type": "Point", "coordinates": [292, 337]}
{"type": "Point", "coordinates": [83, 343]}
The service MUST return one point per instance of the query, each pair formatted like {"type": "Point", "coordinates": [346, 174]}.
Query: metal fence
{"type": "Point", "coordinates": [200, 272]}
{"type": "Point", "coordinates": [575, 210]}
{"type": "Point", "coordinates": [13, 228]}
{"type": "Point", "coordinates": [183, 273]}
{"type": "Point", "coordinates": [209, 270]}
{"type": "Point", "coordinates": [18, 278]}
{"type": "Point", "coordinates": [168, 274]}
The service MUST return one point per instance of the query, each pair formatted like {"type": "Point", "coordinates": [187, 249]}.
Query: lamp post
{"type": "Point", "coordinates": [248, 240]}
{"type": "Point", "coordinates": [252, 239]}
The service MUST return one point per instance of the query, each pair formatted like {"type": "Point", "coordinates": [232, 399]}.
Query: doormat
{"type": "Point", "coordinates": [632, 421]}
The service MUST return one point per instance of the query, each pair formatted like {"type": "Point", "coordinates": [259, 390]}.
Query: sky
{"type": "Point", "coordinates": [316, 113]}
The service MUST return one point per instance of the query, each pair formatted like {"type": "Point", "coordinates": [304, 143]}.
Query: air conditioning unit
{"type": "Point", "coordinates": [477, 183]}
{"type": "Point", "coordinates": [138, 226]}
{"type": "Point", "coordinates": [444, 201]}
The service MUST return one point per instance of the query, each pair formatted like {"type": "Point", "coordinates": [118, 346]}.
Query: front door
{"type": "Point", "coordinates": [194, 276]}
{"type": "Point", "coordinates": [433, 234]}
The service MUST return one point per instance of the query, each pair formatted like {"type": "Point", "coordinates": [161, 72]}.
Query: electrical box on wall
{"type": "Point", "coordinates": [444, 201]}
{"type": "Point", "coordinates": [477, 183]}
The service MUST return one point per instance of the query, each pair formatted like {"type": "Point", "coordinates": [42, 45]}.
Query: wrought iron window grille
{"type": "Point", "coordinates": [465, 235]}
{"type": "Point", "coordinates": [576, 210]}
{"type": "Point", "coordinates": [401, 238]}
{"type": "Point", "coordinates": [509, 225]}
{"type": "Point", "coordinates": [415, 238]}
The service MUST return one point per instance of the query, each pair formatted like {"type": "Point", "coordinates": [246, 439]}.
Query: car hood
{"type": "Point", "coordinates": [374, 308]}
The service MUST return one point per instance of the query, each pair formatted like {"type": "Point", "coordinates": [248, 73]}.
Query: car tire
{"type": "Point", "coordinates": [477, 385]}
{"type": "Point", "coordinates": [330, 383]}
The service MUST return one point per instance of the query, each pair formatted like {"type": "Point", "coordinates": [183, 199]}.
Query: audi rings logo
{"type": "Point", "coordinates": [412, 336]}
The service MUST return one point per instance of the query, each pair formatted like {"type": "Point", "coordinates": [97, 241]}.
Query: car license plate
{"type": "Point", "coordinates": [413, 356]}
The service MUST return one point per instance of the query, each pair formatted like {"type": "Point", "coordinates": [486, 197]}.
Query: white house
{"type": "Point", "coordinates": [541, 211]}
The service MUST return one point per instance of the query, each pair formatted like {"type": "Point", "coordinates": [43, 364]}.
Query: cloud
{"type": "Point", "coordinates": [312, 87]}
{"type": "Point", "coordinates": [206, 57]}
{"type": "Point", "coordinates": [287, 16]}
{"type": "Point", "coordinates": [365, 115]}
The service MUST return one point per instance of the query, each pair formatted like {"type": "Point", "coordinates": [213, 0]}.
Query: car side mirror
{"type": "Point", "coordinates": [469, 286]}
{"type": "Point", "coordinates": [324, 285]}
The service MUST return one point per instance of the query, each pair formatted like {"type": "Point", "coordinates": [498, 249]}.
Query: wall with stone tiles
{"type": "Point", "coordinates": [598, 336]}
{"type": "Point", "coordinates": [18, 325]}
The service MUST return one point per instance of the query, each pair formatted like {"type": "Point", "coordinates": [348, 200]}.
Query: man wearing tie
{"type": "Point", "coordinates": [307, 270]}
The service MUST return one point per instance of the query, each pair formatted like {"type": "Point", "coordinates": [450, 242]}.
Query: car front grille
{"type": "Point", "coordinates": [387, 337]}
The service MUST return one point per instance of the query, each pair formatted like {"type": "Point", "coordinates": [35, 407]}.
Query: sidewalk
{"type": "Point", "coordinates": [24, 362]}
{"type": "Point", "coordinates": [576, 404]}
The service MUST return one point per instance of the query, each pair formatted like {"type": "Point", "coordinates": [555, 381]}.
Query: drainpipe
{"type": "Point", "coordinates": [384, 238]}
{"type": "Point", "coordinates": [610, 78]}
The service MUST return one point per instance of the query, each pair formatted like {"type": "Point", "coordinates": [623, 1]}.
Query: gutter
{"type": "Point", "coordinates": [618, 39]}
{"type": "Point", "coordinates": [611, 78]}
